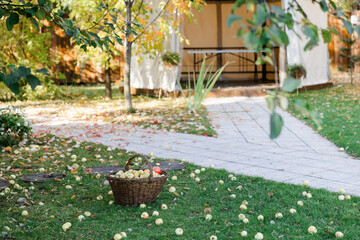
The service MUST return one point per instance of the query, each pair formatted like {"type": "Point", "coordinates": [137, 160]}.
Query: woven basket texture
{"type": "Point", "coordinates": [135, 191]}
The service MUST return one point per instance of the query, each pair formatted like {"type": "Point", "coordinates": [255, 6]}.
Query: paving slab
{"type": "Point", "coordinates": [243, 145]}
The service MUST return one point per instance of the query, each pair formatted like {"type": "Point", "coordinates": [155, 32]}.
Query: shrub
{"type": "Point", "coordinates": [48, 90]}
{"type": "Point", "coordinates": [13, 126]}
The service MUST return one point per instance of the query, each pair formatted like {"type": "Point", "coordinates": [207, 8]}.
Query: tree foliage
{"type": "Point", "coordinates": [24, 46]}
{"type": "Point", "coordinates": [11, 12]}
{"type": "Point", "coordinates": [102, 24]}
{"type": "Point", "coordinates": [349, 5]}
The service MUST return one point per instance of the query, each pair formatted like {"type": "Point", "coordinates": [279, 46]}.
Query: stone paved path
{"type": "Point", "coordinates": [243, 145]}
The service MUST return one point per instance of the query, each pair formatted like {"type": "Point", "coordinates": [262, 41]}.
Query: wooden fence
{"type": "Point", "coordinates": [336, 44]}
{"type": "Point", "coordinates": [88, 72]}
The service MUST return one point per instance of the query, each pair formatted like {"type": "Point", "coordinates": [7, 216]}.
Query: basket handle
{"type": "Point", "coordinates": [147, 161]}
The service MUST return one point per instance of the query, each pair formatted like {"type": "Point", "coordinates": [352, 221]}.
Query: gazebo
{"type": "Point", "coordinates": [208, 35]}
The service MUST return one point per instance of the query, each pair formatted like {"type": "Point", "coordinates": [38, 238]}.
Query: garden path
{"type": "Point", "coordinates": [243, 145]}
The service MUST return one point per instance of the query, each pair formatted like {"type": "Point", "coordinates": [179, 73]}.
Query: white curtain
{"type": "Point", "coordinates": [151, 72]}
{"type": "Point", "coordinates": [315, 61]}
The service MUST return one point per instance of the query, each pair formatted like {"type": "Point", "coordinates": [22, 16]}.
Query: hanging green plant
{"type": "Point", "coordinates": [296, 71]}
{"type": "Point", "coordinates": [171, 58]}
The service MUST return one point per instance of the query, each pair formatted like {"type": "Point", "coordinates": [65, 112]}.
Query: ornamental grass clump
{"type": "Point", "coordinates": [13, 126]}
{"type": "Point", "coordinates": [202, 85]}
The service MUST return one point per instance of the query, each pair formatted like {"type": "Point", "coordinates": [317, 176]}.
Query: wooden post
{"type": "Point", "coordinates": [219, 29]}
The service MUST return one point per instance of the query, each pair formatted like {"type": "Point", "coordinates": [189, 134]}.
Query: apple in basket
{"type": "Point", "coordinates": [157, 170]}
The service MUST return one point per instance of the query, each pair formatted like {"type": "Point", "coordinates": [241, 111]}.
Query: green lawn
{"type": "Point", "coordinates": [340, 110]}
{"type": "Point", "coordinates": [50, 205]}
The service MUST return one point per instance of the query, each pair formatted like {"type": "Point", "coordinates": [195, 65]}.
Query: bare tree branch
{"type": "Point", "coordinates": [146, 28]}
{"type": "Point", "coordinates": [97, 23]}
{"type": "Point", "coordinates": [137, 14]}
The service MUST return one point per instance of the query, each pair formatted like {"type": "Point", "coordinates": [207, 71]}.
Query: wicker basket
{"type": "Point", "coordinates": [135, 191]}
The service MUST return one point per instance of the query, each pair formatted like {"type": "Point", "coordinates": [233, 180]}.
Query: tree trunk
{"type": "Point", "coordinates": [108, 92]}
{"type": "Point", "coordinates": [127, 94]}
{"type": "Point", "coordinates": [351, 61]}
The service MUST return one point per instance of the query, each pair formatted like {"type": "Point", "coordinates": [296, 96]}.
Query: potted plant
{"type": "Point", "coordinates": [171, 58]}
{"type": "Point", "coordinates": [296, 71]}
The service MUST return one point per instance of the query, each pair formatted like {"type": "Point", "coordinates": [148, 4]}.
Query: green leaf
{"type": "Point", "coordinates": [277, 10]}
{"type": "Point", "coordinates": [110, 25]}
{"type": "Point", "coordinates": [276, 123]}
{"type": "Point", "coordinates": [32, 11]}
{"type": "Point", "coordinates": [43, 71]}
{"type": "Point", "coordinates": [231, 19]}
{"type": "Point", "coordinates": [68, 31]}
{"type": "Point", "coordinates": [261, 15]}
{"type": "Point", "coordinates": [310, 45]}
{"type": "Point", "coordinates": [35, 23]}
{"type": "Point", "coordinates": [305, 108]}
{"type": "Point", "coordinates": [333, 30]}
{"type": "Point", "coordinates": [357, 30]}
{"type": "Point", "coordinates": [311, 32]}
{"type": "Point", "coordinates": [40, 14]}
{"type": "Point", "coordinates": [284, 38]}
{"type": "Point", "coordinates": [9, 26]}
{"type": "Point", "coordinates": [340, 13]}
{"type": "Point", "coordinates": [107, 40]}
{"type": "Point", "coordinates": [85, 34]}
{"type": "Point", "coordinates": [12, 20]}
{"type": "Point", "coordinates": [84, 47]}
{"type": "Point", "coordinates": [270, 100]}
{"type": "Point", "coordinates": [119, 41]}
{"type": "Point", "coordinates": [323, 5]}
{"type": "Point", "coordinates": [15, 88]}
{"type": "Point", "coordinates": [290, 84]}
{"type": "Point", "coordinates": [348, 26]}
{"type": "Point", "coordinates": [283, 102]}
{"type": "Point", "coordinates": [2, 77]}
{"type": "Point", "coordinates": [251, 41]}
{"type": "Point", "coordinates": [333, 4]}
{"type": "Point", "coordinates": [240, 32]}
{"type": "Point", "coordinates": [12, 82]}
{"type": "Point", "coordinates": [250, 5]}
{"type": "Point", "coordinates": [22, 71]}
{"type": "Point", "coordinates": [94, 35]}
{"type": "Point", "coordinates": [302, 105]}
{"type": "Point", "coordinates": [264, 60]}
{"type": "Point", "coordinates": [59, 12]}
{"type": "Point", "coordinates": [237, 4]}
{"type": "Point", "coordinates": [33, 81]}
{"type": "Point", "coordinates": [326, 35]}
{"type": "Point", "coordinates": [41, 2]}
{"type": "Point", "coordinates": [12, 67]}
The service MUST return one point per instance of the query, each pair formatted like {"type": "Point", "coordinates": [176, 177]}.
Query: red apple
{"type": "Point", "coordinates": [157, 170]}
